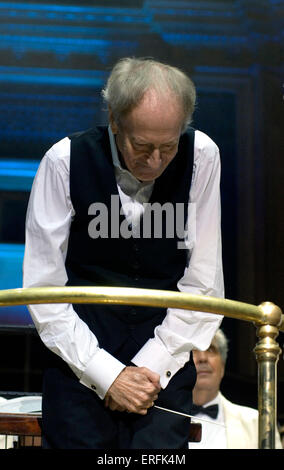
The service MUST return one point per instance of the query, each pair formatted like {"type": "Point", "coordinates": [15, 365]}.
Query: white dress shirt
{"type": "Point", "coordinates": [49, 217]}
{"type": "Point", "coordinates": [213, 430]}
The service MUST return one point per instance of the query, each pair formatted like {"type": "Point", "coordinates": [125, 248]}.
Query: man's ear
{"type": "Point", "coordinates": [112, 121]}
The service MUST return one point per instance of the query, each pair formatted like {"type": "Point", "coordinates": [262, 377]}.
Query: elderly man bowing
{"type": "Point", "coordinates": [132, 204]}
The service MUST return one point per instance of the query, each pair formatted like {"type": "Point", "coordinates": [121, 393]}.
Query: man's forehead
{"type": "Point", "coordinates": [140, 139]}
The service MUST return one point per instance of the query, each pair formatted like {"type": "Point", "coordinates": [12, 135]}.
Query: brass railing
{"type": "Point", "coordinates": [267, 317]}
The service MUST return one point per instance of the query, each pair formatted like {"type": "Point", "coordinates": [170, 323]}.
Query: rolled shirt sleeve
{"type": "Point", "coordinates": [48, 222]}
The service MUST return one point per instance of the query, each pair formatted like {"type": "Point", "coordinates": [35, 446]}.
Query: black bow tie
{"type": "Point", "coordinates": [211, 410]}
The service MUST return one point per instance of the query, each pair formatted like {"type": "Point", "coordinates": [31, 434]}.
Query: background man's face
{"type": "Point", "coordinates": [148, 136]}
{"type": "Point", "coordinates": [210, 369]}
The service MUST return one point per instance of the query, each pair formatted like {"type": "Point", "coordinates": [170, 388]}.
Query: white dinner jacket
{"type": "Point", "coordinates": [242, 426]}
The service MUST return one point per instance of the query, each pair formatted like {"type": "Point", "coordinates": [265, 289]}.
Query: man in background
{"type": "Point", "coordinates": [227, 425]}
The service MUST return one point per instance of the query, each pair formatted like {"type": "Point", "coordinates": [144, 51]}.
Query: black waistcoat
{"type": "Point", "coordinates": [152, 263]}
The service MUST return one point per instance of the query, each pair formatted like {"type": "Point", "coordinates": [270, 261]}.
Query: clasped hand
{"type": "Point", "coordinates": [134, 390]}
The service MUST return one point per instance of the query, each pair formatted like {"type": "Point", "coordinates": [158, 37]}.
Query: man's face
{"type": "Point", "coordinates": [210, 369]}
{"type": "Point", "coordinates": [148, 136]}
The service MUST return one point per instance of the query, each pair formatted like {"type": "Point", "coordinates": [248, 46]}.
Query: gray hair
{"type": "Point", "coordinates": [222, 344]}
{"type": "Point", "coordinates": [131, 78]}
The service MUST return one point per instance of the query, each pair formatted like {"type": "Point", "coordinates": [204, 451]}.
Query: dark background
{"type": "Point", "coordinates": [55, 58]}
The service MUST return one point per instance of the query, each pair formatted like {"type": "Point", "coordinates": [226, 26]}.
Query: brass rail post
{"type": "Point", "coordinates": [267, 353]}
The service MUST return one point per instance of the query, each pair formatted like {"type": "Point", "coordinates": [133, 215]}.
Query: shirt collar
{"type": "Point", "coordinates": [215, 401]}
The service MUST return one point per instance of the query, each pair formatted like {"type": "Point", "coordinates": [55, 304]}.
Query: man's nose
{"type": "Point", "coordinates": [201, 356]}
{"type": "Point", "coordinates": [154, 159]}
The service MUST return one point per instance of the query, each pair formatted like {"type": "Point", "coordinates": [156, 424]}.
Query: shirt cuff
{"type": "Point", "coordinates": [101, 372]}
{"type": "Point", "coordinates": [157, 358]}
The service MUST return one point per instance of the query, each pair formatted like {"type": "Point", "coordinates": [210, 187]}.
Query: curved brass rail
{"type": "Point", "coordinates": [267, 317]}
{"type": "Point", "coordinates": [265, 314]}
